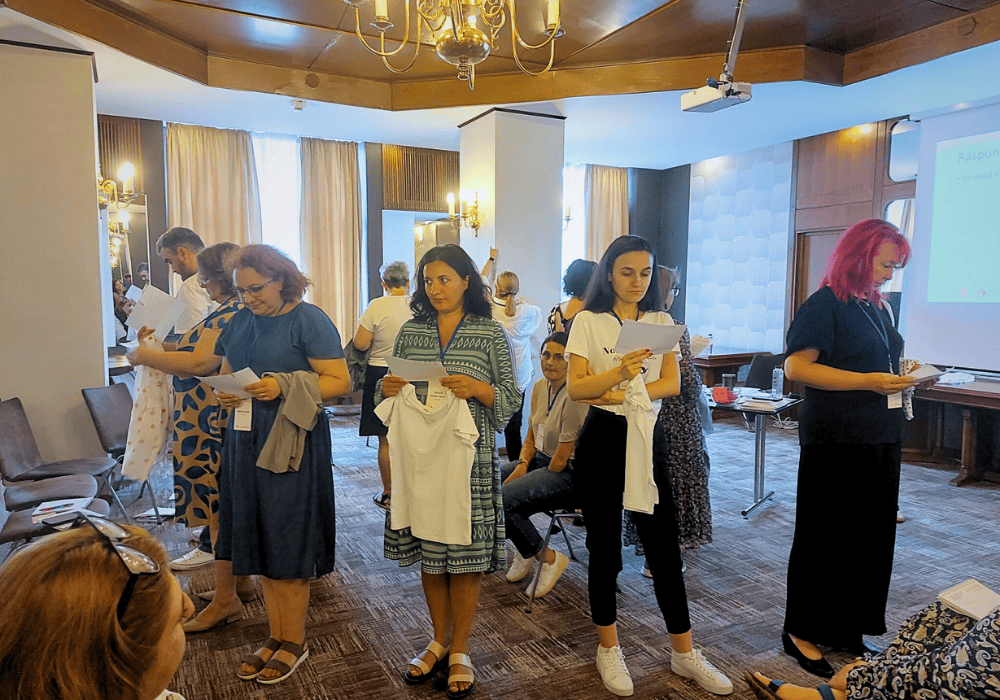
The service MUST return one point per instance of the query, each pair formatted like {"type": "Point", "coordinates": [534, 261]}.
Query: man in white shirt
{"type": "Point", "coordinates": [179, 248]}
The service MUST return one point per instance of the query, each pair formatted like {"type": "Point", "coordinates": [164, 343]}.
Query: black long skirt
{"type": "Point", "coordinates": [840, 565]}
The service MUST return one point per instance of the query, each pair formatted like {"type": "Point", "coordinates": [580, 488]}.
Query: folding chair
{"type": "Point", "coordinates": [556, 517]}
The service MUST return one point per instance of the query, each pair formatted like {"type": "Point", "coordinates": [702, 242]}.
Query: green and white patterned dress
{"type": "Point", "coordinates": [479, 349]}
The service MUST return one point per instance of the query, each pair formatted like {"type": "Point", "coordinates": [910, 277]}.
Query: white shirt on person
{"type": "Point", "coordinates": [383, 318]}
{"type": "Point", "coordinates": [431, 450]}
{"type": "Point", "coordinates": [197, 305]}
{"type": "Point", "coordinates": [593, 337]}
{"type": "Point", "coordinates": [555, 423]}
{"type": "Point", "coordinates": [519, 327]}
{"type": "Point", "coordinates": [641, 493]}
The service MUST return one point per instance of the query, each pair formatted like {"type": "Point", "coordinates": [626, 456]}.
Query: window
{"type": "Point", "coordinates": [279, 181]}
{"type": "Point", "coordinates": [574, 234]}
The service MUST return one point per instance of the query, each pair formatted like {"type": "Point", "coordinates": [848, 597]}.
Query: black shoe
{"type": "Point", "coordinates": [819, 667]}
{"type": "Point", "coordinates": [860, 648]}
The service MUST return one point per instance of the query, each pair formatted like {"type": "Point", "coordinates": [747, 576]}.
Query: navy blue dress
{"type": "Point", "coordinates": [281, 526]}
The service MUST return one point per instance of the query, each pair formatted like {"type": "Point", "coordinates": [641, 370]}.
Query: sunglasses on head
{"type": "Point", "coordinates": [135, 561]}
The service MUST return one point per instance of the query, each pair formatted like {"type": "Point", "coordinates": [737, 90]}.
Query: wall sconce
{"type": "Point", "coordinates": [566, 218]}
{"type": "Point", "coordinates": [468, 212]}
{"type": "Point", "coordinates": [420, 234]}
{"type": "Point", "coordinates": [107, 190]}
{"type": "Point", "coordinates": [118, 234]}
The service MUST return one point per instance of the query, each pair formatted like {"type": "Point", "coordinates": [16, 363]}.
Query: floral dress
{"type": "Point", "coordinates": [938, 654]}
{"type": "Point", "coordinates": [198, 423]}
{"type": "Point", "coordinates": [682, 452]}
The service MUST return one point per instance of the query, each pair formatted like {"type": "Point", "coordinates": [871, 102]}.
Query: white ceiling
{"type": "Point", "coordinates": [647, 130]}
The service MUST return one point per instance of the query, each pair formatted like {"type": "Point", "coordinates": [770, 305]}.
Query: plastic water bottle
{"type": "Point", "coordinates": [777, 382]}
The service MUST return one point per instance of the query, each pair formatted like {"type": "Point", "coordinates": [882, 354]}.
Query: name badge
{"type": "Point", "coordinates": [437, 395]}
{"type": "Point", "coordinates": [243, 415]}
{"type": "Point", "coordinates": [540, 437]}
{"type": "Point", "coordinates": [895, 400]}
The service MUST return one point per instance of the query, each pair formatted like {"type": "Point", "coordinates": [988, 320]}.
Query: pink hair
{"type": "Point", "coordinates": [849, 272]}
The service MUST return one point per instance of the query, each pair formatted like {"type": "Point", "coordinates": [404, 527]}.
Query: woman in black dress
{"type": "Point", "coordinates": [843, 347]}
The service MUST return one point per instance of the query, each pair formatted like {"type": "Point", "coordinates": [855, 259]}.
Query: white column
{"type": "Point", "coordinates": [51, 328]}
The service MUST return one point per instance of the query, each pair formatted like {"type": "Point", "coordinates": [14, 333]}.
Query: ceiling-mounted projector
{"type": "Point", "coordinates": [724, 92]}
{"type": "Point", "coordinates": [715, 96]}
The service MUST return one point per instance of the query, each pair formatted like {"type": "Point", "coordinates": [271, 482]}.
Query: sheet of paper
{"type": "Point", "coordinates": [233, 383]}
{"type": "Point", "coordinates": [168, 320]}
{"type": "Point", "coordinates": [151, 308]}
{"type": "Point", "coordinates": [416, 371]}
{"type": "Point", "coordinates": [659, 339]}
{"type": "Point", "coordinates": [134, 293]}
{"type": "Point", "coordinates": [699, 344]}
{"type": "Point", "coordinates": [925, 372]}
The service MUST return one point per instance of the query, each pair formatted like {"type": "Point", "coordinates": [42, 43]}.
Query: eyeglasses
{"type": "Point", "coordinates": [554, 357]}
{"type": "Point", "coordinates": [253, 291]}
{"type": "Point", "coordinates": [137, 562]}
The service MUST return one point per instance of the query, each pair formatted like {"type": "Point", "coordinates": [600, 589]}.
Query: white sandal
{"type": "Point", "coordinates": [470, 678]}
{"type": "Point", "coordinates": [426, 671]}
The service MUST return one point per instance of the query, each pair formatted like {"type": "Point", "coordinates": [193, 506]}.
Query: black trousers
{"type": "Point", "coordinates": [512, 434]}
{"type": "Point", "coordinates": [846, 504]}
{"type": "Point", "coordinates": [599, 482]}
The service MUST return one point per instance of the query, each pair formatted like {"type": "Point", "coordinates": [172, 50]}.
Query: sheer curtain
{"type": "Point", "coordinates": [606, 194]}
{"type": "Point", "coordinates": [331, 229]}
{"type": "Point", "coordinates": [212, 184]}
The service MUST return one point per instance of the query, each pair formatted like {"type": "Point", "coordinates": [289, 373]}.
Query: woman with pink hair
{"type": "Point", "coordinates": [843, 347]}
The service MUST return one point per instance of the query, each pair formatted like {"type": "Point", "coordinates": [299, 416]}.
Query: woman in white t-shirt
{"type": "Point", "coordinates": [520, 320]}
{"type": "Point", "coordinates": [377, 329]}
{"type": "Point", "coordinates": [624, 286]}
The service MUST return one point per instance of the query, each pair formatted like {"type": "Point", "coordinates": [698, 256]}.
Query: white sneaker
{"type": "Point", "coordinates": [520, 567]}
{"type": "Point", "coordinates": [550, 574]}
{"type": "Point", "coordinates": [611, 666]}
{"type": "Point", "coordinates": [192, 560]}
{"type": "Point", "coordinates": [649, 574]}
{"type": "Point", "coordinates": [696, 667]}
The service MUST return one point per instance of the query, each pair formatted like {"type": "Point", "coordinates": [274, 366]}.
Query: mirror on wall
{"type": "Point", "coordinates": [904, 149]}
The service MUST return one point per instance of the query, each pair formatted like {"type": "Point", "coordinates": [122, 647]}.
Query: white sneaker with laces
{"type": "Point", "coordinates": [699, 669]}
{"type": "Point", "coordinates": [192, 560]}
{"type": "Point", "coordinates": [520, 567]}
{"type": "Point", "coordinates": [614, 674]}
{"type": "Point", "coordinates": [550, 574]}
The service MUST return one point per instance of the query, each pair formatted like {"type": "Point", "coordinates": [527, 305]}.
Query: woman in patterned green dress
{"type": "Point", "coordinates": [198, 421]}
{"type": "Point", "coordinates": [453, 324]}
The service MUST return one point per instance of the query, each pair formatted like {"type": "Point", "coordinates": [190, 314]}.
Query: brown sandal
{"type": "Point", "coordinates": [301, 652]}
{"type": "Point", "coordinates": [256, 662]}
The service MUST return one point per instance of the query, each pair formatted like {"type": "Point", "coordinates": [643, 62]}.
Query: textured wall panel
{"type": "Point", "coordinates": [740, 227]}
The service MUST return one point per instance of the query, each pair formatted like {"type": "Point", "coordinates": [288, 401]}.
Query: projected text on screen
{"type": "Point", "coordinates": [965, 243]}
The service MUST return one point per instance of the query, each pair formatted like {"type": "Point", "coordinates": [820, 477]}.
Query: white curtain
{"type": "Point", "coordinates": [212, 184]}
{"type": "Point", "coordinates": [606, 196]}
{"type": "Point", "coordinates": [331, 229]}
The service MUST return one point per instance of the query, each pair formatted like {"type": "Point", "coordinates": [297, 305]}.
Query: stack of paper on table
{"type": "Point", "coordinates": [970, 598]}
{"type": "Point", "coordinates": [759, 404]}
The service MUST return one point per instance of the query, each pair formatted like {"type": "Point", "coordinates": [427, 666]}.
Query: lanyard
{"type": "Point", "coordinates": [552, 399]}
{"type": "Point", "coordinates": [617, 318]}
{"type": "Point", "coordinates": [880, 328]}
{"type": "Point", "coordinates": [444, 350]}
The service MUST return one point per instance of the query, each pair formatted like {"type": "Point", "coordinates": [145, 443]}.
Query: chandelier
{"type": "Point", "coordinates": [463, 32]}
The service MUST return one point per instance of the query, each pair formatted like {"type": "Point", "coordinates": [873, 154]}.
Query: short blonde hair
{"type": "Point", "coordinates": [61, 637]}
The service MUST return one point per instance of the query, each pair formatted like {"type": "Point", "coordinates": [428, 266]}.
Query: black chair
{"type": "Point", "coordinates": [111, 410]}
{"type": "Point", "coordinates": [761, 368]}
{"type": "Point", "coordinates": [20, 461]}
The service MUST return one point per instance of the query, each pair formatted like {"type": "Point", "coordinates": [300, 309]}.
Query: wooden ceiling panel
{"type": "Point", "coordinates": [237, 35]}
{"type": "Point", "coordinates": [848, 25]}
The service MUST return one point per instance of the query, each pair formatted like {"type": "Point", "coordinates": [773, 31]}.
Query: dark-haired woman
{"type": "Point", "coordinates": [276, 510]}
{"type": "Point", "coordinates": [452, 324]}
{"type": "Point", "coordinates": [575, 283]}
{"type": "Point", "coordinates": [842, 345]}
{"type": "Point", "coordinates": [199, 424]}
{"type": "Point", "coordinates": [625, 286]}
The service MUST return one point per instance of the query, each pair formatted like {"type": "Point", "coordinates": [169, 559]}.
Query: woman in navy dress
{"type": "Point", "coordinates": [842, 345]}
{"type": "Point", "coordinates": [279, 526]}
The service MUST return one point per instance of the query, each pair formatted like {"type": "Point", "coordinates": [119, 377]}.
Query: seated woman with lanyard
{"type": "Point", "coordinates": [542, 478]}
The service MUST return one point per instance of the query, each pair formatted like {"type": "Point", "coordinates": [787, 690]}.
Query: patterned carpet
{"type": "Point", "coordinates": [368, 617]}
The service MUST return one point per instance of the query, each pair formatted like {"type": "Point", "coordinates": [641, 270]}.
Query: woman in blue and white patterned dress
{"type": "Point", "coordinates": [452, 324]}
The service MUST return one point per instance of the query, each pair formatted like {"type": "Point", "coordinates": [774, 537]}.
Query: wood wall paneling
{"type": "Point", "coordinates": [418, 179]}
{"type": "Point", "coordinates": [837, 168]}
